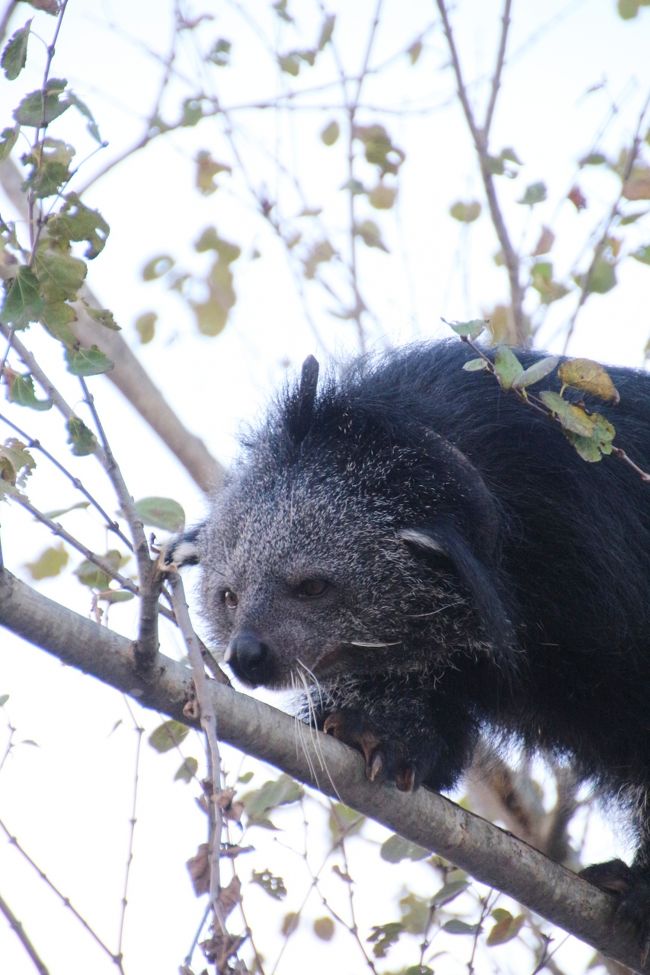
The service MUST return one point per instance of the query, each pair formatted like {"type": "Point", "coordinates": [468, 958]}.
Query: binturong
{"type": "Point", "coordinates": [429, 560]}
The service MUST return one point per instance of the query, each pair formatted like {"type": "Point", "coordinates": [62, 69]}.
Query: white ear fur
{"type": "Point", "coordinates": [180, 551]}
{"type": "Point", "coordinates": [421, 539]}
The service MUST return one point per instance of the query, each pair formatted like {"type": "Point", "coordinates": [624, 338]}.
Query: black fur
{"type": "Point", "coordinates": [514, 589]}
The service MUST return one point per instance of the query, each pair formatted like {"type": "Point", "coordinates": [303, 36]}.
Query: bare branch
{"type": "Point", "coordinates": [480, 139]}
{"type": "Point", "coordinates": [436, 823]}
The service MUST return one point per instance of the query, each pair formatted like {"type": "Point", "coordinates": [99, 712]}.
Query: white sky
{"type": "Point", "coordinates": [68, 800]}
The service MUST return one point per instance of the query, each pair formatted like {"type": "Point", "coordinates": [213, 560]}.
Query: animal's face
{"type": "Point", "coordinates": [303, 577]}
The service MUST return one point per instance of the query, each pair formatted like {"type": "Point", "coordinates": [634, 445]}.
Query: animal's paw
{"type": "Point", "coordinates": [632, 887]}
{"type": "Point", "coordinates": [385, 758]}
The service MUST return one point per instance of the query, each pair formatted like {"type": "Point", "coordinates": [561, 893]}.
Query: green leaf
{"type": "Point", "coordinates": [21, 391]}
{"type": "Point", "coordinates": [416, 913]}
{"type": "Point", "coordinates": [116, 596]}
{"type": "Point", "coordinates": [642, 254]}
{"type": "Point", "coordinates": [16, 464]}
{"type": "Point", "coordinates": [92, 576]}
{"type": "Point", "coordinates": [326, 31]}
{"type": "Point", "coordinates": [536, 372]}
{"type": "Point", "coordinates": [275, 792]}
{"type": "Point", "coordinates": [170, 734]}
{"type": "Point", "coordinates": [535, 193]}
{"type": "Point", "coordinates": [590, 377]}
{"type": "Point", "coordinates": [379, 148]}
{"type": "Point", "coordinates": [219, 53]}
{"type": "Point", "coordinates": [324, 928]}
{"type": "Point", "coordinates": [382, 197]}
{"type": "Point", "coordinates": [87, 362]}
{"type": "Point", "coordinates": [507, 366]}
{"type": "Point", "coordinates": [78, 222]}
{"type": "Point", "coordinates": [157, 266]}
{"type": "Point", "coordinates": [57, 316]}
{"type": "Point", "coordinates": [187, 771]}
{"type": "Point", "coordinates": [541, 278]}
{"type": "Point", "coordinates": [628, 9]}
{"type": "Point", "coordinates": [273, 885]}
{"type": "Point", "coordinates": [50, 161]}
{"type": "Point", "coordinates": [23, 303]}
{"type": "Point", "coordinates": [572, 418]}
{"type": "Point", "coordinates": [414, 51]}
{"type": "Point", "coordinates": [58, 512]}
{"type": "Point", "coordinates": [82, 439]}
{"type": "Point", "coordinates": [102, 316]}
{"type": "Point", "coordinates": [475, 365]}
{"type": "Point", "coordinates": [8, 139]}
{"type": "Point", "coordinates": [593, 159]}
{"type": "Point", "coordinates": [383, 936]}
{"type": "Point", "coordinates": [14, 55]}
{"type": "Point", "coordinates": [471, 329]}
{"type": "Point", "coordinates": [87, 114]}
{"type": "Point", "coordinates": [449, 891]}
{"type": "Point", "coordinates": [466, 212]}
{"type": "Point", "coordinates": [161, 513]}
{"type": "Point", "coordinates": [454, 926]}
{"type": "Point", "coordinates": [60, 275]}
{"type": "Point", "coordinates": [370, 234]}
{"type": "Point", "coordinates": [41, 107]}
{"type": "Point", "coordinates": [505, 929]}
{"type": "Point", "coordinates": [145, 325]}
{"type": "Point", "coordinates": [601, 279]}
{"type": "Point", "coordinates": [48, 564]}
{"type": "Point", "coordinates": [290, 64]}
{"type": "Point", "coordinates": [343, 821]}
{"type": "Point", "coordinates": [396, 848]}
{"type": "Point", "coordinates": [330, 133]}
{"type": "Point", "coordinates": [3, 699]}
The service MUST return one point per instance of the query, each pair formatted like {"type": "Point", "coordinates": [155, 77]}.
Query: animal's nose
{"type": "Point", "coordinates": [250, 658]}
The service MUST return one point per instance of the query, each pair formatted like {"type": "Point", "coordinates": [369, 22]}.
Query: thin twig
{"type": "Point", "coordinates": [98, 560]}
{"type": "Point", "coordinates": [139, 730]}
{"type": "Point", "coordinates": [44, 382]}
{"type": "Point", "coordinates": [19, 931]}
{"type": "Point", "coordinates": [609, 220]}
{"type": "Point", "coordinates": [35, 444]}
{"type": "Point", "coordinates": [149, 577]}
{"type": "Point", "coordinates": [480, 139]}
{"type": "Point", "coordinates": [208, 719]}
{"type": "Point", "coordinates": [62, 897]}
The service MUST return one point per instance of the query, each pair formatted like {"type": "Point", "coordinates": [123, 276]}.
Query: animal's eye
{"type": "Point", "coordinates": [229, 598]}
{"type": "Point", "coordinates": [311, 588]}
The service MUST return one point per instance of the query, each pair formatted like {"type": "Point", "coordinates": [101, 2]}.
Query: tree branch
{"type": "Point", "coordinates": [127, 373]}
{"type": "Point", "coordinates": [489, 854]}
{"type": "Point", "coordinates": [480, 139]}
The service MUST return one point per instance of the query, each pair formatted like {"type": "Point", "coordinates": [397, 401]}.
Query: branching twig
{"type": "Point", "coordinates": [35, 444]}
{"type": "Point", "coordinates": [149, 578]}
{"type": "Point", "coordinates": [62, 897]}
{"type": "Point", "coordinates": [480, 139]}
{"type": "Point", "coordinates": [585, 289]}
{"type": "Point", "coordinates": [208, 720]}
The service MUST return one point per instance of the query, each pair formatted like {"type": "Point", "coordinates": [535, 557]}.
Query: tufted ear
{"type": "Point", "coordinates": [446, 541]}
{"type": "Point", "coordinates": [300, 409]}
{"type": "Point", "coordinates": [183, 549]}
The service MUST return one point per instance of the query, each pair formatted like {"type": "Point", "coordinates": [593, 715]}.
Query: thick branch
{"type": "Point", "coordinates": [489, 854]}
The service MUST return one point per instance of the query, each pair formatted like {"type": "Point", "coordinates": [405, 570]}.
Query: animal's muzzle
{"type": "Point", "coordinates": [250, 658]}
